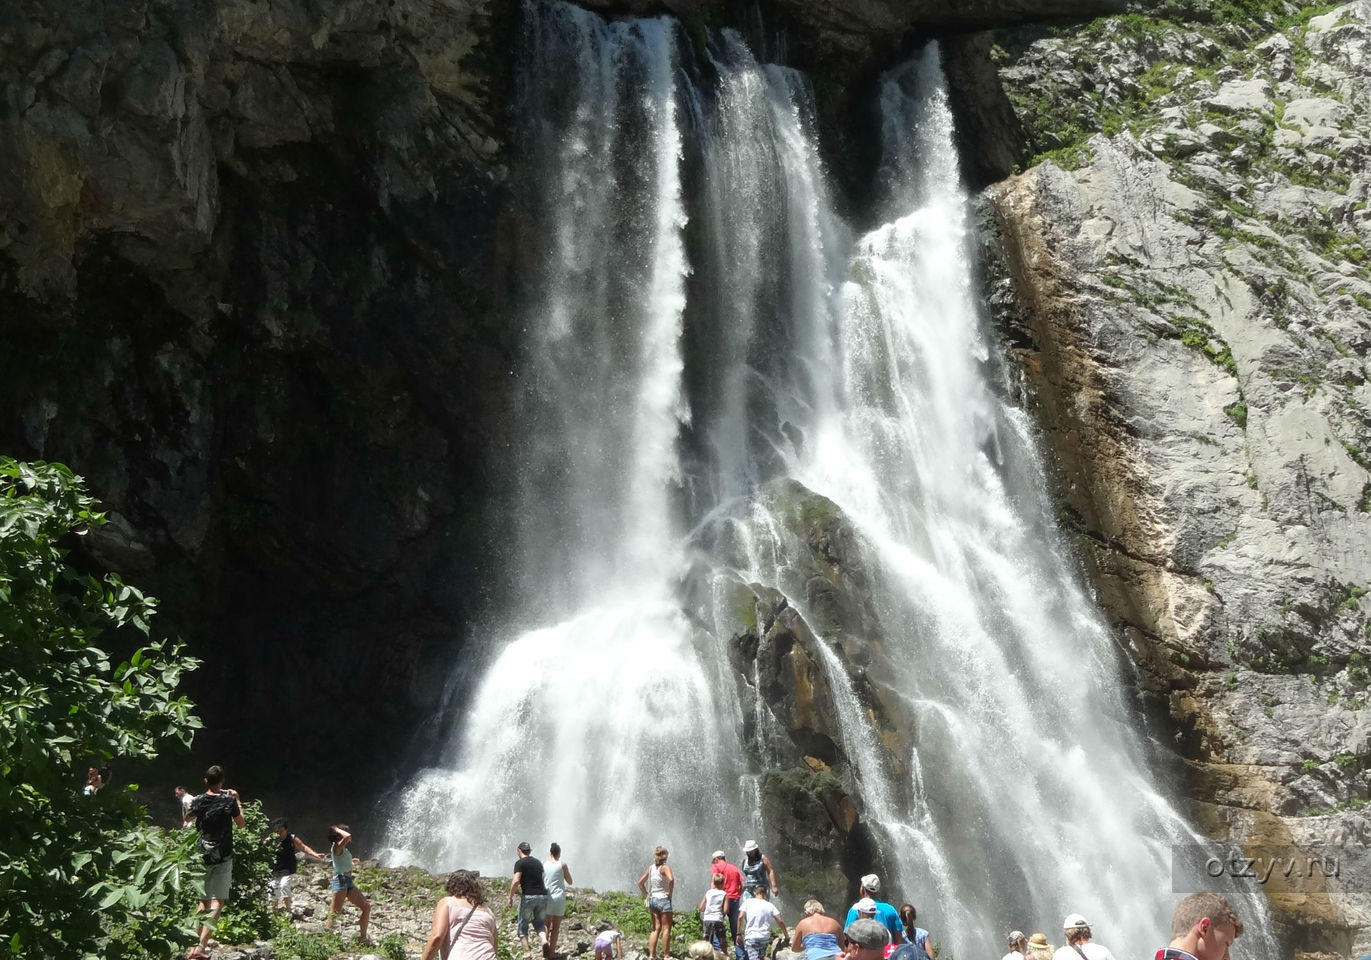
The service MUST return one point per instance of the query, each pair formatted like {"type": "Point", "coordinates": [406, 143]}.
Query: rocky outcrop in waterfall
{"type": "Point", "coordinates": [1189, 291]}
{"type": "Point", "coordinates": [812, 798]}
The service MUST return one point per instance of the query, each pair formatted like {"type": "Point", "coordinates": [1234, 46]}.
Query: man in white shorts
{"type": "Point", "coordinates": [284, 864]}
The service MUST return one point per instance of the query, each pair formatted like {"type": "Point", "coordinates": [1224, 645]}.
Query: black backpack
{"type": "Point", "coordinates": [214, 819]}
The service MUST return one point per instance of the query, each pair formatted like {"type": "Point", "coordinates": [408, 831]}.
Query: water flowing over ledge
{"type": "Point", "coordinates": [705, 342]}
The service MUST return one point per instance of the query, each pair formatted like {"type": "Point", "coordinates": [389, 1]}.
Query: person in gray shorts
{"type": "Point", "coordinates": [528, 879]}
{"type": "Point", "coordinates": [214, 813]}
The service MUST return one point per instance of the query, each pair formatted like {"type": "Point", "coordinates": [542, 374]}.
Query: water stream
{"type": "Point", "coordinates": [662, 400]}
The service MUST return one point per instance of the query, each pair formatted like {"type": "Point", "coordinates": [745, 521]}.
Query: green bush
{"type": "Point", "coordinates": [687, 927]}
{"type": "Point", "coordinates": [392, 945]}
{"type": "Point", "coordinates": [293, 945]}
{"type": "Point", "coordinates": [624, 911]}
{"type": "Point", "coordinates": [81, 876]}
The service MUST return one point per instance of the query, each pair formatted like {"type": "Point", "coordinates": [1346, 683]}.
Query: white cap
{"type": "Point", "coordinates": [718, 855]}
{"type": "Point", "coordinates": [749, 846]}
{"type": "Point", "coordinates": [872, 883]}
{"type": "Point", "coordinates": [1074, 920]}
{"type": "Point", "coordinates": [865, 905]}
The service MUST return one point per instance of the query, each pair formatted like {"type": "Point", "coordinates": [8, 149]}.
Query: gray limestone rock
{"type": "Point", "coordinates": [1194, 304]}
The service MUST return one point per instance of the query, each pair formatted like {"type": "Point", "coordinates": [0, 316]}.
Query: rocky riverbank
{"type": "Point", "coordinates": [402, 901]}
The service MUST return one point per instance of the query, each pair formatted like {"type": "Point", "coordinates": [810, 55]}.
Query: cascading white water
{"type": "Point", "coordinates": [599, 727]}
{"type": "Point", "coordinates": [1028, 794]}
{"type": "Point", "coordinates": [859, 369]}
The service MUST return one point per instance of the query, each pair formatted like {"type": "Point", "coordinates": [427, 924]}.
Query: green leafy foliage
{"type": "Point", "coordinates": [294, 945]}
{"type": "Point", "coordinates": [78, 870]}
{"type": "Point", "coordinates": [687, 926]}
{"type": "Point", "coordinates": [392, 945]}
{"type": "Point", "coordinates": [625, 912]}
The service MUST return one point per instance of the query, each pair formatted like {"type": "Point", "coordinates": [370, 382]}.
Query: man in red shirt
{"type": "Point", "coordinates": [733, 893]}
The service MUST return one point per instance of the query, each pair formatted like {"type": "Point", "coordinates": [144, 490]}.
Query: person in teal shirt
{"type": "Point", "coordinates": [886, 914]}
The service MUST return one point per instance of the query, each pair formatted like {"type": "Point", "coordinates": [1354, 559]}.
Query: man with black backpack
{"type": "Point", "coordinates": [214, 814]}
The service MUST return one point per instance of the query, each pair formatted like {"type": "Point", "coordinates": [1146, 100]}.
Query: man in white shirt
{"type": "Point", "coordinates": [1076, 929]}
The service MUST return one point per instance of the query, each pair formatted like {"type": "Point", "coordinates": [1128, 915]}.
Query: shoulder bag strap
{"type": "Point", "coordinates": [449, 943]}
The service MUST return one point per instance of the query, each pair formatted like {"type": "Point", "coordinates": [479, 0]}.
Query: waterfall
{"type": "Point", "coordinates": [701, 330]}
{"type": "Point", "coordinates": [599, 722]}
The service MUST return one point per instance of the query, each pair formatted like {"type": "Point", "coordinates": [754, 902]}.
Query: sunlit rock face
{"type": "Point", "coordinates": [1192, 302]}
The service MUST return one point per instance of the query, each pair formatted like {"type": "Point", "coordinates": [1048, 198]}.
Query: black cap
{"type": "Point", "coordinates": [525, 848]}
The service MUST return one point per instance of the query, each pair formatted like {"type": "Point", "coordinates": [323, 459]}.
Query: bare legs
{"type": "Point", "coordinates": [214, 907]}
{"type": "Point", "coordinates": [354, 897]}
{"type": "Point", "coordinates": [661, 924]}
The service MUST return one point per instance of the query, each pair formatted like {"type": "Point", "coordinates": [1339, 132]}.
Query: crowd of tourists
{"type": "Point", "coordinates": [737, 912]}
{"type": "Point", "coordinates": [738, 916]}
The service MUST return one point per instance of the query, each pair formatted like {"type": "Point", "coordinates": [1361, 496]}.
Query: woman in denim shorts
{"type": "Point", "coordinates": [343, 887]}
{"type": "Point", "coordinates": [656, 883]}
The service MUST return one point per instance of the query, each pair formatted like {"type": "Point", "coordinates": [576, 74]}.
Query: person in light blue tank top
{"type": "Point", "coordinates": [343, 887]}
{"type": "Point", "coordinates": [556, 878]}
{"type": "Point", "coordinates": [817, 933]}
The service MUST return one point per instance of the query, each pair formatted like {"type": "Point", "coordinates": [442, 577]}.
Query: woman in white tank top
{"type": "Point", "coordinates": [656, 883]}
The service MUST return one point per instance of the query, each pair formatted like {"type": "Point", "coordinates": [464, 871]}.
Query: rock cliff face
{"type": "Point", "coordinates": [1189, 292]}
{"type": "Point", "coordinates": [249, 288]}
{"type": "Point", "coordinates": [790, 687]}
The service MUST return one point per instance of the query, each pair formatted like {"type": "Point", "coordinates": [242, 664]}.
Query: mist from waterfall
{"type": "Point", "coordinates": [650, 449]}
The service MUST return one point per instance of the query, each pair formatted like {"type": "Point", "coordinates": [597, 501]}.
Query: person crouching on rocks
{"type": "Point", "coordinates": [343, 886]}
{"type": "Point", "coordinates": [607, 942]}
